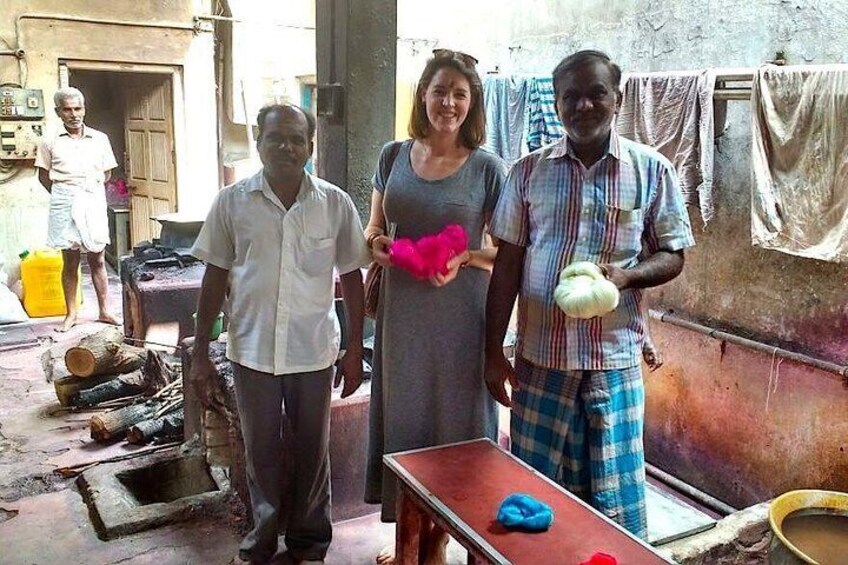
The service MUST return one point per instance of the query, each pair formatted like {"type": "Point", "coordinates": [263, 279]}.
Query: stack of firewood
{"type": "Point", "coordinates": [137, 393]}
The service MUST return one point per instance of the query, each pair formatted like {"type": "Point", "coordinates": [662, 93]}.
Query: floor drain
{"type": "Point", "coordinates": [143, 493]}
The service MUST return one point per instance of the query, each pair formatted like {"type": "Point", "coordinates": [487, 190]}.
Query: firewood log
{"type": "Point", "coordinates": [103, 353]}
{"type": "Point", "coordinates": [114, 424]}
{"type": "Point", "coordinates": [167, 425]}
{"type": "Point", "coordinates": [122, 386]}
{"type": "Point", "coordinates": [53, 363]}
{"type": "Point", "coordinates": [155, 375]}
{"type": "Point", "coordinates": [67, 388]}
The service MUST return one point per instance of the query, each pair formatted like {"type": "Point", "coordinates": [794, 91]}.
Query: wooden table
{"type": "Point", "coordinates": [461, 486]}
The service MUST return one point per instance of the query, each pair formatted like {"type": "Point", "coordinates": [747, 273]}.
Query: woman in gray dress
{"type": "Point", "coordinates": [427, 388]}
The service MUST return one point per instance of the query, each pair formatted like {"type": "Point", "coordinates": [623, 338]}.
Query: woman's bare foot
{"type": "Point", "coordinates": [108, 318]}
{"type": "Point", "coordinates": [386, 556]}
{"type": "Point", "coordinates": [437, 547]}
{"type": "Point", "coordinates": [69, 322]}
{"type": "Point", "coordinates": [435, 553]}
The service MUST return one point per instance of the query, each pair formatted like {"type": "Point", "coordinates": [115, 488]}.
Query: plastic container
{"type": "Point", "coordinates": [801, 502]}
{"type": "Point", "coordinates": [217, 326]}
{"type": "Point", "coordinates": [41, 276]}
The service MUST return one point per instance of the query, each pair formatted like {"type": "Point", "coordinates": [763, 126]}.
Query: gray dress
{"type": "Point", "coordinates": [427, 387]}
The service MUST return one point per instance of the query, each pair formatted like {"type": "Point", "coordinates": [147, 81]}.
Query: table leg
{"type": "Point", "coordinates": [410, 520]}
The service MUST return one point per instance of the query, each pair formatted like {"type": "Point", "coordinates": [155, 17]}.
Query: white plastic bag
{"type": "Point", "coordinates": [10, 275]}
{"type": "Point", "coordinates": [10, 307]}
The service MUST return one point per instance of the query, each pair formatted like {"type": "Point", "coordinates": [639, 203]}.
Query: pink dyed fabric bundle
{"type": "Point", "coordinates": [430, 254]}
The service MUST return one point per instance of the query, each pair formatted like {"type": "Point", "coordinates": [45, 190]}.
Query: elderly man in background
{"type": "Point", "coordinates": [73, 166]}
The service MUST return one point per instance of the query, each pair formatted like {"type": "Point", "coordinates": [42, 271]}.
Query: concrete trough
{"type": "Point", "coordinates": [742, 538]}
{"type": "Point", "coordinates": [146, 492]}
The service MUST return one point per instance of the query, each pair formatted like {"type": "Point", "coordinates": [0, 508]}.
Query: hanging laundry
{"type": "Point", "coordinates": [799, 203]}
{"type": "Point", "coordinates": [505, 99]}
{"type": "Point", "coordinates": [673, 113]}
{"type": "Point", "coordinates": [544, 126]}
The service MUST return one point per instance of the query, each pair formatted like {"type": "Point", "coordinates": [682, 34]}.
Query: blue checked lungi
{"type": "Point", "coordinates": [583, 429]}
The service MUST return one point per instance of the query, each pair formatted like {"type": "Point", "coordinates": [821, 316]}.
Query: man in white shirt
{"type": "Point", "coordinates": [273, 241]}
{"type": "Point", "coordinates": [73, 166]}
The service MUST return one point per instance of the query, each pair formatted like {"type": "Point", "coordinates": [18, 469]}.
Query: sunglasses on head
{"type": "Point", "coordinates": [469, 60]}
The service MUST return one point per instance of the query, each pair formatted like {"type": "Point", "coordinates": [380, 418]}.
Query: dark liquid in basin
{"type": "Point", "coordinates": [821, 535]}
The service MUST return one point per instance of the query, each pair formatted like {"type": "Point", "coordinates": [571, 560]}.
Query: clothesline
{"type": "Point", "coordinates": [722, 77]}
{"type": "Point", "coordinates": [672, 112]}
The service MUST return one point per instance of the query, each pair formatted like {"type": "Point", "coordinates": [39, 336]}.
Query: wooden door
{"type": "Point", "coordinates": [149, 163]}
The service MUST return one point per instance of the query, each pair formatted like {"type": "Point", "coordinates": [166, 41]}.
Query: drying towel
{"type": "Point", "coordinates": [673, 113]}
{"type": "Point", "coordinates": [799, 203]}
{"type": "Point", "coordinates": [78, 217]}
{"type": "Point", "coordinates": [544, 126]}
{"type": "Point", "coordinates": [506, 116]}
{"type": "Point", "coordinates": [522, 511]}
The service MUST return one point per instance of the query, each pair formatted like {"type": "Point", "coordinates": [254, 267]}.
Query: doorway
{"type": "Point", "coordinates": [136, 111]}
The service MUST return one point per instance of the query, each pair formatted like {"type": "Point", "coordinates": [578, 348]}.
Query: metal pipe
{"type": "Point", "coordinates": [734, 74]}
{"type": "Point", "coordinates": [827, 366]}
{"type": "Point", "coordinates": [240, 21]}
{"type": "Point", "coordinates": [738, 93]}
{"type": "Point", "coordinates": [125, 23]}
{"type": "Point", "coordinates": [700, 496]}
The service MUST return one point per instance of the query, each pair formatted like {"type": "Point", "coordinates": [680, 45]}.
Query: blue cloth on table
{"type": "Point", "coordinates": [522, 511]}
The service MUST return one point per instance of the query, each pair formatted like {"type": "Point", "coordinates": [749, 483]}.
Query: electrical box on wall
{"type": "Point", "coordinates": [331, 101]}
{"type": "Point", "coordinates": [21, 122]}
{"type": "Point", "coordinates": [18, 139]}
{"type": "Point", "coordinates": [21, 103]}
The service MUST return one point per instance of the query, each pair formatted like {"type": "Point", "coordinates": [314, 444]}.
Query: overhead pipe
{"type": "Point", "coordinates": [243, 21]}
{"type": "Point", "coordinates": [715, 333]}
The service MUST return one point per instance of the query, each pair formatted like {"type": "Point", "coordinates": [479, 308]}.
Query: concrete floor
{"type": "Point", "coordinates": [43, 519]}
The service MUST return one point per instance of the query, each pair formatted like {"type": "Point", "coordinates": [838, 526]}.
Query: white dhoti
{"type": "Point", "coordinates": [78, 217]}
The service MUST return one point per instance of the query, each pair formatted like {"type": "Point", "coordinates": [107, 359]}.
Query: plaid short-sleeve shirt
{"type": "Point", "coordinates": [627, 204]}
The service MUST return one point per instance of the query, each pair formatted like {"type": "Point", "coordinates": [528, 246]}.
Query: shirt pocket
{"type": "Point", "coordinates": [462, 212]}
{"type": "Point", "coordinates": [624, 227]}
{"type": "Point", "coordinates": [316, 255]}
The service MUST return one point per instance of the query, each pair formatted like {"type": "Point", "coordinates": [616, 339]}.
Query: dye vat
{"type": "Point", "coordinates": [809, 526]}
{"type": "Point", "coordinates": [822, 536]}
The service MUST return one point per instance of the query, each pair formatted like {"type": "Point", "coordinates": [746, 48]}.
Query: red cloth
{"type": "Point", "coordinates": [601, 559]}
{"type": "Point", "coordinates": [430, 254]}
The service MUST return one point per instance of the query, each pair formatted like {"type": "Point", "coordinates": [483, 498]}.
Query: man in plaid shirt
{"type": "Point", "coordinates": [578, 397]}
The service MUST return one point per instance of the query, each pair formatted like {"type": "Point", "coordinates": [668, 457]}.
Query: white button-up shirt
{"type": "Point", "coordinates": [77, 167]}
{"type": "Point", "coordinates": [281, 263]}
{"type": "Point", "coordinates": [78, 161]}
{"type": "Point", "coordinates": [627, 205]}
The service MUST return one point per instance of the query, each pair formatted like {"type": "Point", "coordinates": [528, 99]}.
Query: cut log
{"type": "Point", "coordinates": [103, 353]}
{"type": "Point", "coordinates": [53, 363]}
{"type": "Point", "coordinates": [155, 376]}
{"type": "Point", "coordinates": [157, 372]}
{"type": "Point", "coordinates": [114, 424]}
{"type": "Point", "coordinates": [68, 387]}
{"type": "Point", "coordinates": [120, 386]}
{"type": "Point", "coordinates": [166, 426]}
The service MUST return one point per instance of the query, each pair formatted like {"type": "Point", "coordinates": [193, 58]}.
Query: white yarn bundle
{"type": "Point", "coordinates": [584, 292]}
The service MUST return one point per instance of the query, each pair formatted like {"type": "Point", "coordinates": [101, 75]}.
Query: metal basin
{"type": "Point", "coordinates": [781, 550]}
